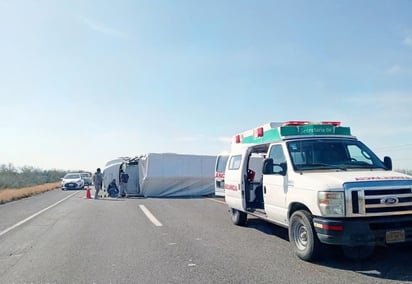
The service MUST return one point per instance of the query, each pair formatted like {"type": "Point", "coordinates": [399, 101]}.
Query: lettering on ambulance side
{"type": "Point", "coordinates": [381, 178]}
{"type": "Point", "coordinates": [220, 175]}
{"type": "Point", "coordinates": [231, 187]}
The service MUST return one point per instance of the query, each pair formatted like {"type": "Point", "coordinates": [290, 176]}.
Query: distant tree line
{"type": "Point", "coordinates": [12, 177]}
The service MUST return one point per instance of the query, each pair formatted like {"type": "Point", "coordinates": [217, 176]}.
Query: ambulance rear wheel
{"type": "Point", "coordinates": [302, 236]}
{"type": "Point", "coordinates": [238, 217]}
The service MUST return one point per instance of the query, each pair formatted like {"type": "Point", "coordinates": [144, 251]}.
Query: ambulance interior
{"type": "Point", "coordinates": [254, 178]}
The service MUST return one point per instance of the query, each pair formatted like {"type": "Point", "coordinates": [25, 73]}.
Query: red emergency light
{"type": "Point", "coordinates": [258, 132]}
{"type": "Point", "coordinates": [305, 122]}
{"type": "Point", "coordinates": [238, 139]}
{"type": "Point", "coordinates": [334, 123]}
{"type": "Point", "coordinates": [295, 123]}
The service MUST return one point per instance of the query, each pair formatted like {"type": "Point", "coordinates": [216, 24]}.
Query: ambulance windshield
{"type": "Point", "coordinates": [326, 153]}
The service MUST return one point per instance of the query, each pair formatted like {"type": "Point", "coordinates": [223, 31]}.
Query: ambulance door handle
{"type": "Point", "coordinates": [264, 189]}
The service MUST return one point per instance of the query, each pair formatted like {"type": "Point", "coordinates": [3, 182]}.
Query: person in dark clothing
{"type": "Point", "coordinates": [112, 189]}
{"type": "Point", "coordinates": [124, 178]}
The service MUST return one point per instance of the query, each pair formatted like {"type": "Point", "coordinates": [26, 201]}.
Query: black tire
{"type": "Point", "coordinates": [302, 236]}
{"type": "Point", "coordinates": [239, 218]}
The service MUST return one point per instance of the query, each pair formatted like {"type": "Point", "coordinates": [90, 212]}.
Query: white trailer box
{"type": "Point", "coordinates": [176, 175]}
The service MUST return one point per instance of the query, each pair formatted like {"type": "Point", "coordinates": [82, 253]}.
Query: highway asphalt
{"type": "Point", "coordinates": [62, 237]}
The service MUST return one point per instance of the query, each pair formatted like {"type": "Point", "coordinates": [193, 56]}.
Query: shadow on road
{"type": "Point", "coordinates": [390, 263]}
{"type": "Point", "coordinates": [267, 228]}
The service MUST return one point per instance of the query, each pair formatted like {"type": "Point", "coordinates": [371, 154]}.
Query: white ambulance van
{"type": "Point", "coordinates": [321, 183]}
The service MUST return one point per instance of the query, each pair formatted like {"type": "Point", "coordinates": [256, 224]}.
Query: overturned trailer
{"type": "Point", "coordinates": [176, 175]}
{"type": "Point", "coordinates": [164, 174]}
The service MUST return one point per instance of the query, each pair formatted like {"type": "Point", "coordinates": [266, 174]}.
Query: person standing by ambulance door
{"type": "Point", "coordinates": [124, 178]}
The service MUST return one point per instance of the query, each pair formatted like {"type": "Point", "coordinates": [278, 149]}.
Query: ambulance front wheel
{"type": "Point", "coordinates": [302, 236]}
{"type": "Point", "coordinates": [238, 217]}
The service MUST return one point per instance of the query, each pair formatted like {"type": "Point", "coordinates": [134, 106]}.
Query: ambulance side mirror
{"type": "Point", "coordinates": [268, 167]}
{"type": "Point", "coordinates": [388, 163]}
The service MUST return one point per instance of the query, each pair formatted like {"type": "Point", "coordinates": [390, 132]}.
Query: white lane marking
{"type": "Point", "coordinates": [150, 216]}
{"type": "Point", "coordinates": [34, 215]}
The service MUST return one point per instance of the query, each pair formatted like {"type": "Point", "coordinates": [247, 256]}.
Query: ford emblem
{"type": "Point", "coordinates": [390, 200]}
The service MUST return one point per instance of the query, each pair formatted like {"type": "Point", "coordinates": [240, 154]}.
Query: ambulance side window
{"type": "Point", "coordinates": [279, 160]}
{"type": "Point", "coordinates": [234, 163]}
{"type": "Point", "coordinates": [276, 153]}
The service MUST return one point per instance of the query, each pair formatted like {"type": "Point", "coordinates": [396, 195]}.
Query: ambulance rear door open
{"type": "Point", "coordinates": [220, 167]}
{"type": "Point", "coordinates": [235, 176]}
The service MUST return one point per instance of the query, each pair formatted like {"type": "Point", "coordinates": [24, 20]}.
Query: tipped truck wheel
{"type": "Point", "coordinates": [302, 236]}
{"type": "Point", "coordinates": [238, 217]}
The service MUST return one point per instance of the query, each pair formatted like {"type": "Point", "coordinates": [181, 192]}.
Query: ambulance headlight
{"type": "Point", "coordinates": [331, 204]}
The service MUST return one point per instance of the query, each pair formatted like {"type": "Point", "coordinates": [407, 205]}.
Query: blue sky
{"type": "Point", "coordinates": [84, 82]}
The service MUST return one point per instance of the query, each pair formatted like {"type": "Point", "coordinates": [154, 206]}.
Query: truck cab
{"type": "Point", "coordinates": [322, 184]}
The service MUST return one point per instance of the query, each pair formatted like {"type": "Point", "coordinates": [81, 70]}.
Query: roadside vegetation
{"type": "Point", "coordinates": [12, 177]}
{"type": "Point", "coordinates": [16, 183]}
{"type": "Point", "coordinates": [7, 195]}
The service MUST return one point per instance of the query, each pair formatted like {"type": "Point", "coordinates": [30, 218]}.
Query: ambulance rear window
{"type": "Point", "coordinates": [221, 163]}
{"type": "Point", "coordinates": [234, 163]}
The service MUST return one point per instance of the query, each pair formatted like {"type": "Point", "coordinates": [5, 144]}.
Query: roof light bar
{"type": "Point", "coordinates": [305, 122]}
{"type": "Point", "coordinates": [295, 123]}
{"type": "Point", "coordinates": [334, 123]}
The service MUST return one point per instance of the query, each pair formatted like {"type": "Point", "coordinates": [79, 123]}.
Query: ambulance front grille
{"type": "Point", "coordinates": [379, 201]}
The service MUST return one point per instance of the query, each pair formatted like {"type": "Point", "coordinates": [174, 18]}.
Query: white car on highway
{"type": "Point", "coordinates": [72, 181]}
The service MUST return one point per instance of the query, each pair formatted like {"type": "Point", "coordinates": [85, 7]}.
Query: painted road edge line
{"type": "Point", "coordinates": [34, 215]}
{"type": "Point", "coordinates": [215, 200]}
{"type": "Point", "coordinates": [150, 216]}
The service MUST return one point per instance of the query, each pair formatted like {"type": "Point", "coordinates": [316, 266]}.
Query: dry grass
{"type": "Point", "coordinates": [7, 195]}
